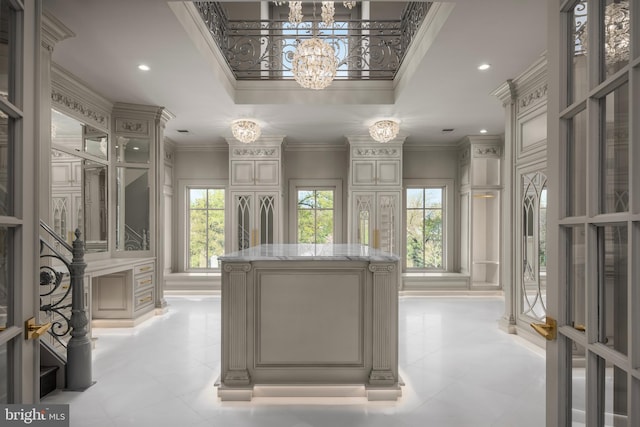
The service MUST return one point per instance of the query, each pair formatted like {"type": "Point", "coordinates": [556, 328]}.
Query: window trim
{"type": "Point", "coordinates": [448, 206]}
{"type": "Point", "coordinates": [183, 212]}
{"type": "Point", "coordinates": [315, 184]}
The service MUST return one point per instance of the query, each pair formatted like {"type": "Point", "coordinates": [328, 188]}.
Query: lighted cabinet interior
{"type": "Point", "coordinates": [480, 200]}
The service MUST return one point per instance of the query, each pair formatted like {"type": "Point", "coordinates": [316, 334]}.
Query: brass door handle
{"type": "Point", "coordinates": [549, 329]}
{"type": "Point", "coordinates": [33, 330]}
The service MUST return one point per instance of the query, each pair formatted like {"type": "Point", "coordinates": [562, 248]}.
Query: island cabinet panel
{"type": "Point", "coordinates": [318, 317]}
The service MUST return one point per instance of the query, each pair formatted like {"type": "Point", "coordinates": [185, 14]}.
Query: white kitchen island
{"type": "Point", "coordinates": [319, 320]}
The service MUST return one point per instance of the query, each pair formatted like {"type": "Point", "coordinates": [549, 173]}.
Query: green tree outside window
{"type": "Point", "coordinates": [425, 228]}
{"type": "Point", "coordinates": [206, 227]}
{"type": "Point", "coordinates": [315, 216]}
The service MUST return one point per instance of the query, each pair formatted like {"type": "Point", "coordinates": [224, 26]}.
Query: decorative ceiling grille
{"type": "Point", "coordinates": [263, 50]}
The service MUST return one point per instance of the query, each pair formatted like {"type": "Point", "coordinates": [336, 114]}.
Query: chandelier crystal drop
{"type": "Point", "coordinates": [314, 64]}
{"type": "Point", "coordinates": [616, 32]}
{"type": "Point", "coordinates": [384, 130]}
{"type": "Point", "coordinates": [328, 10]}
{"type": "Point", "coordinates": [295, 12]}
{"type": "Point", "coordinates": [349, 4]}
{"type": "Point", "coordinates": [245, 131]}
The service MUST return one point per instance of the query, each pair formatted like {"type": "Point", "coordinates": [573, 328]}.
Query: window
{"type": "Point", "coordinates": [425, 230]}
{"type": "Point", "coordinates": [205, 219]}
{"type": "Point", "coordinates": [315, 216]}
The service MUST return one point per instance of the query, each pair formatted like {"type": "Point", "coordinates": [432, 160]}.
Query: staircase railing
{"type": "Point", "coordinates": [133, 241]}
{"type": "Point", "coordinates": [53, 267]}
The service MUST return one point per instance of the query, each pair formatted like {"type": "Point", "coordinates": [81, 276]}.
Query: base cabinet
{"type": "Point", "coordinates": [125, 296]}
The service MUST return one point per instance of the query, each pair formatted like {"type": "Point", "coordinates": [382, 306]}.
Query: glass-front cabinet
{"type": "Point", "coordinates": [255, 193]}
{"type": "Point", "coordinates": [133, 180]}
{"type": "Point", "coordinates": [79, 181]}
{"type": "Point", "coordinates": [375, 219]}
{"type": "Point", "coordinates": [375, 193]}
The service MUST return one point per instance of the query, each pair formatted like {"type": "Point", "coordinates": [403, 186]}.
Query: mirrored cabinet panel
{"type": "Point", "coordinates": [79, 181]}
{"type": "Point", "coordinates": [132, 211]}
{"type": "Point", "coordinates": [132, 150]}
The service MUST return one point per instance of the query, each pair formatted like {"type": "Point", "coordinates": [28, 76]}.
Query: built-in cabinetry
{"type": "Point", "coordinates": [122, 292]}
{"type": "Point", "coordinates": [66, 194]}
{"type": "Point", "coordinates": [375, 193]}
{"type": "Point", "coordinates": [480, 163]}
{"type": "Point", "coordinates": [255, 192]}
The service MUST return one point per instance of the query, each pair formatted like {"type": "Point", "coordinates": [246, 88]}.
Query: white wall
{"type": "Point", "coordinates": [432, 163]}
{"type": "Point", "coordinates": [201, 164]}
{"type": "Point", "coordinates": [316, 164]}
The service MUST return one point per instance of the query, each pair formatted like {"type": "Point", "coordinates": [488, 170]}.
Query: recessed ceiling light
{"type": "Point", "coordinates": [143, 67]}
{"type": "Point", "coordinates": [483, 67]}
{"type": "Point", "coordinates": [136, 148]}
{"type": "Point", "coordinates": [483, 131]}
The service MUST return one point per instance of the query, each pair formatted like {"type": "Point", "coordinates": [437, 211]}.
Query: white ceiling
{"type": "Point", "coordinates": [446, 91]}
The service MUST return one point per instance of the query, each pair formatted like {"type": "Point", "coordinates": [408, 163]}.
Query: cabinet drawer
{"type": "Point", "coordinates": [143, 268]}
{"type": "Point", "coordinates": [143, 299]}
{"type": "Point", "coordinates": [143, 282]}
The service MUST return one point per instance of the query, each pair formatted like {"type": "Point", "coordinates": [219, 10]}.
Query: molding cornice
{"type": "Point", "coordinates": [263, 141]}
{"type": "Point", "coordinates": [53, 31]}
{"type": "Point", "coordinates": [366, 139]}
{"type": "Point", "coordinates": [314, 147]}
{"type": "Point", "coordinates": [71, 96]}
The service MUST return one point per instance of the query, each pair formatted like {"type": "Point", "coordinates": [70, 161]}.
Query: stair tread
{"type": "Point", "coordinates": [44, 370]}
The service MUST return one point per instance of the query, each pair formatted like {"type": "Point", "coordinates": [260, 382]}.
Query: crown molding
{"type": "Point", "coordinates": [315, 147]}
{"type": "Point", "coordinates": [73, 97]}
{"type": "Point", "coordinates": [53, 31]}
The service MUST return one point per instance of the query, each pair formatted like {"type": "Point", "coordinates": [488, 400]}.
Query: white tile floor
{"type": "Point", "coordinates": [460, 370]}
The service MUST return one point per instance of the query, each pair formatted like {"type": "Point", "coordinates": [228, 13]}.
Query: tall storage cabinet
{"type": "Point", "coordinates": [481, 188]}
{"type": "Point", "coordinates": [375, 193]}
{"type": "Point", "coordinates": [255, 192]}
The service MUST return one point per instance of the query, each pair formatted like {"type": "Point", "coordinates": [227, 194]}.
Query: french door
{"type": "Point", "coordinates": [593, 375]}
{"type": "Point", "coordinates": [19, 50]}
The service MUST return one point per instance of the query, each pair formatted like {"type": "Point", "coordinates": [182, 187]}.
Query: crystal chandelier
{"type": "Point", "coordinates": [295, 12]}
{"type": "Point", "coordinates": [314, 64]}
{"type": "Point", "coordinates": [349, 4]}
{"type": "Point", "coordinates": [328, 10]}
{"type": "Point", "coordinates": [616, 32]}
{"type": "Point", "coordinates": [384, 130]}
{"type": "Point", "coordinates": [245, 131]}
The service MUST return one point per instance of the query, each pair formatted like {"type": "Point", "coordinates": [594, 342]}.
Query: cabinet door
{"type": "Point", "coordinates": [363, 172]}
{"type": "Point", "coordinates": [266, 172]}
{"type": "Point", "coordinates": [242, 172]}
{"type": "Point", "coordinates": [242, 220]}
{"type": "Point", "coordinates": [362, 221]}
{"type": "Point", "coordinates": [267, 229]}
{"type": "Point", "coordinates": [388, 172]}
{"type": "Point", "coordinates": [387, 234]}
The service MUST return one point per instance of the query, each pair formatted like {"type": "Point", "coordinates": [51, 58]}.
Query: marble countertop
{"type": "Point", "coordinates": [310, 252]}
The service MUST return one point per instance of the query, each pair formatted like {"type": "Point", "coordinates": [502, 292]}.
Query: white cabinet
{"type": "Point", "coordinates": [375, 216]}
{"type": "Point", "coordinates": [255, 193]}
{"type": "Point", "coordinates": [124, 294]}
{"type": "Point", "coordinates": [376, 172]}
{"type": "Point", "coordinates": [255, 172]}
{"type": "Point", "coordinates": [375, 193]}
{"type": "Point", "coordinates": [255, 219]}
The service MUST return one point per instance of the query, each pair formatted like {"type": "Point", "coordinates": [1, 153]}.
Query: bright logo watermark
{"type": "Point", "coordinates": [34, 415]}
